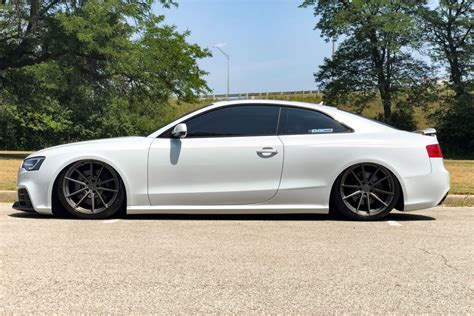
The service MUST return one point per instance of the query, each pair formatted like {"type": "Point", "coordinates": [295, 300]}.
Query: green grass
{"type": "Point", "coordinates": [10, 162]}
{"type": "Point", "coordinates": [462, 176]}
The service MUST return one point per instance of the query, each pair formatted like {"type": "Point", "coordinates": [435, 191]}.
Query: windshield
{"type": "Point", "coordinates": [183, 115]}
{"type": "Point", "coordinates": [196, 109]}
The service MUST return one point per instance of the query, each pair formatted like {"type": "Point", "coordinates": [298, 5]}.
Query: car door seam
{"type": "Point", "coordinates": [148, 172]}
{"type": "Point", "coordinates": [281, 172]}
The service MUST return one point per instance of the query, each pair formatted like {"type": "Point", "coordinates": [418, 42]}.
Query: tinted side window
{"type": "Point", "coordinates": [243, 120]}
{"type": "Point", "coordinates": [302, 121]}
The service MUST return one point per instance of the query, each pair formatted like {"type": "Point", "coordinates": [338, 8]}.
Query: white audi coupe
{"type": "Point", "coordinates": [242, 157]}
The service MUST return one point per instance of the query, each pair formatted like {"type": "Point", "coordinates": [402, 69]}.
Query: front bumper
{"type": "Point", "coordinates": [23, 202]}
{"type": "Point", "coordinates": [34, 190]}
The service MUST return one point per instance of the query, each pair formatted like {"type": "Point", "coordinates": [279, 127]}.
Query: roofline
{"type": "Point", "coordinates": [301, 104]}
{"type": "Point", "coordinates": [280, 102]}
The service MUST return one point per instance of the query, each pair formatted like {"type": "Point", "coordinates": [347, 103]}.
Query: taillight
{"type": "Point", "coordinates": [434, 151]}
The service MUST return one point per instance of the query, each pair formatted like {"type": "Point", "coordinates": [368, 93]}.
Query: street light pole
{"type": "Point", "coordinates": [228, 69]}
{"type": "Point", "coordinates": [333, 45]}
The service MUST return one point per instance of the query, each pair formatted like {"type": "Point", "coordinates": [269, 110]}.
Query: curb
{"type": "Point", "coordinates": [459, 200]}
{"type": "Point", "coordinates": [7, 196]}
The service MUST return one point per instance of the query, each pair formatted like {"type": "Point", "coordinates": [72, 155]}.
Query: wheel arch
{"type": "Point", "coordinates": [69, 162]}
{"type": "Point", "coordinates": [401, 200]}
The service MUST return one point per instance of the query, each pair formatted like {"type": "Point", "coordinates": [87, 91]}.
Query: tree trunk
{"type": "Point", "coordinates": [383, 81]}
{"type": "Point", "coordinates": [455, 71]}
{"type": "Point", "coordinates": [23, 54]}
{"type": "Point", "coordinates": [386, 97]}
{"type": "Point", "coordinates": [452, 56]}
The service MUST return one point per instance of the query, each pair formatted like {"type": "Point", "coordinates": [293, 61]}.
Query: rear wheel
{"type": "Point", "coordinates": [366, 192]}
{"type": "Point", "coordinates": [90, 189]}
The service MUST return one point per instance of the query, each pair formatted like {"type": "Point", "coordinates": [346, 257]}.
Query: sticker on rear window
{"type": "Point", "coordinates": [321, 130]}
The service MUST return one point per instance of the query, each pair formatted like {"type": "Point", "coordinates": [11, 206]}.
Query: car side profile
{"type": "Point", "coordinates": [242, 157]}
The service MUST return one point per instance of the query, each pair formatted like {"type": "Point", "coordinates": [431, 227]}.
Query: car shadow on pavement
{"type": "Point", "coordinates": [233, 217]}
{"type": "Point", "coordinates": [194, 217]}
{"type": "Point", "coordinates": [396, 216]}
{"type": "Point", "coordinates": [273, 217]}
{"type": "Point", "coordinates": [30, 215]}
{"type": "Point", "coordinates": [401, 217]}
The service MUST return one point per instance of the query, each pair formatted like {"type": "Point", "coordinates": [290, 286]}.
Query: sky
{"type": "Point", "coordinates": [272, 43]}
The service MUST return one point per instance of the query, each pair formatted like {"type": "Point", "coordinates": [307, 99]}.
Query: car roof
{"type": "Point", "coordinates": [317, 106]}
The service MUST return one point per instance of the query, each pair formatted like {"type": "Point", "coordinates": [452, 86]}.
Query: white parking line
{"type": "Point", "coordinates": [394, 223]}
{"type": "Point", "coordinates": [111, 221]}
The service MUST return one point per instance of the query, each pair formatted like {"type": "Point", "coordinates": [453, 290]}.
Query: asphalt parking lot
{"type": "Point", "coordinates": [419, 262]}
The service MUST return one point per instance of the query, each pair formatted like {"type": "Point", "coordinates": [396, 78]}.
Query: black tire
{"type": "Point", "coordinates": [371, 180]}
{"type": "Point", "coordinates": [90, 189]}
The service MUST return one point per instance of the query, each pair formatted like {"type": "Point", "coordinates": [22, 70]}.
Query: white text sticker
{"type": "Point", "coordinates": [321, 130]}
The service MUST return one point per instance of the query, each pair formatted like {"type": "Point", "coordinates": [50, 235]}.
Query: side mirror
{"type": "Point", "coordinates": [180, 131]}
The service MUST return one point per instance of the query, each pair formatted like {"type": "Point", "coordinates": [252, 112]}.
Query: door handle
{"type": "Point", "coordinates": [267, 152]}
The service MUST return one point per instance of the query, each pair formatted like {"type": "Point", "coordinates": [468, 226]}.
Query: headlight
{"type": "Point", "coordinates": [33, 163]}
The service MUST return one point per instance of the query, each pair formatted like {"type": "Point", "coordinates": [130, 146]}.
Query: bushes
{"type": "Point", "coordinates": [455, 123]}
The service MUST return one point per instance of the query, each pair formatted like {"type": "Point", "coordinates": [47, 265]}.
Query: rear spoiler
{"type": "Point", "coordinates": [427, 132]}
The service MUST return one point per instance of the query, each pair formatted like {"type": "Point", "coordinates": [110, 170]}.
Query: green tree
{"type": "Point", "coordinates": [375, 58]}
{"type": "Point", "coordinates": [450, 37]}
{"type": "Point", "coordinates": [74, 70]}
{"type": "Point", "coordinates": [449, 33]}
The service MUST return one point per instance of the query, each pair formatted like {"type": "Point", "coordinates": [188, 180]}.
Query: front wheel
{"type": "Point", "coordinates": [90, 189]}
{"type": "Point", "coordinates": [366, 192]}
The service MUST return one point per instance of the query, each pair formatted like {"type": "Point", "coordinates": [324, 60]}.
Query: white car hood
{"type": "Point", "coordinates": [105, 142]}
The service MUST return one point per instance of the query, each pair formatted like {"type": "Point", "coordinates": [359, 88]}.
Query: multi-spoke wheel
{"type": "Point", "coordinates": [90, 189]}
{"type": "Point", "coordinates": [366, 191]}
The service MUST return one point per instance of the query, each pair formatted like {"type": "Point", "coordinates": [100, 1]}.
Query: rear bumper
{"type": "Point", "coordinates": [444, 198]}
{"type": "Point", "coordinates": [427, 191]}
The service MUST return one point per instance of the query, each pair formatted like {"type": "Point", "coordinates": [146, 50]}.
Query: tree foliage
{"type": "Point", "coordinates": [73, 70]}
{"type": "Point", "coordinates": [448, 31]}
{"type": "Point", "coordinates": [375, 56]}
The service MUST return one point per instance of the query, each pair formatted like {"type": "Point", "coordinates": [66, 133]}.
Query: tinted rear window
{"type": "Point", "coordinates": [302, 121]}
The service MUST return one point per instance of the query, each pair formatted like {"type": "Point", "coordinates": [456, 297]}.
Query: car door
{"type": "Point", "coordinates": [231, 155]}
{"type": "Point", "coordinates": [315, 146]}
